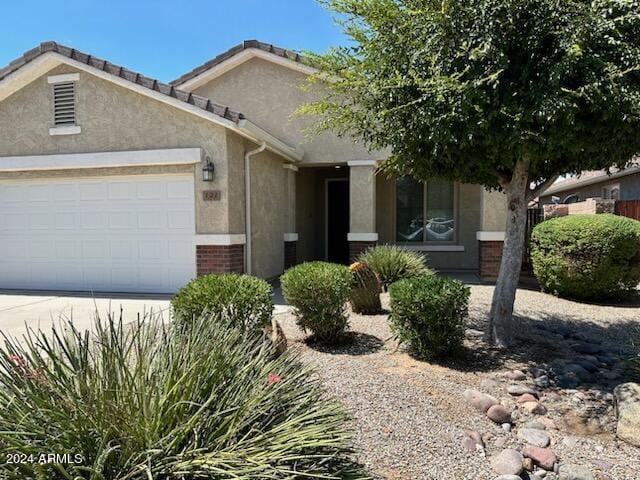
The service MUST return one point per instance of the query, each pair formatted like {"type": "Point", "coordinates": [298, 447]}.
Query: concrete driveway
{"type": "Point", "coordinates": [41, 309]}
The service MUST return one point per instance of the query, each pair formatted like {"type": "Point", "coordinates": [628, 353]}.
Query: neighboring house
{"type": "Point", "coordinates": [112, 181]}
{"type": "Point", "coordinates": [616, 185]}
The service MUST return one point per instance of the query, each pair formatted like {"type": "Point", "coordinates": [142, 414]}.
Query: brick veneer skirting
{"type": "Point", "coordinates": [219, 259]}
{"type": "Point", "coordinates": [356, 248]}
{"type": "Point", "coordinates": [489, 261]}
{"type": "Point", "coordinates": [290, 254]}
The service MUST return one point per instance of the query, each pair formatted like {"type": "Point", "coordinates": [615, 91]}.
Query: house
{"type": "Point", "coordinates": [615, 184]}
{"type": "Point", "coordinates": [112, 181]}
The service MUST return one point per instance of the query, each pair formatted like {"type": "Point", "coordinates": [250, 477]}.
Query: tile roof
{"type": "Point", "coordinates": [589, 177]}
{"type": "Point", "coordinates": [133, 77]}
{"type": "Point", "coordinates": [247, 44]}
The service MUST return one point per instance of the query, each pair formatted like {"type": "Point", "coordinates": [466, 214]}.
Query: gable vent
{"type": "Point", "coordinates": [64, 103]}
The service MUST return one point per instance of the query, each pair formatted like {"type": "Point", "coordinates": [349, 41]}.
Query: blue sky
{"type": "Point", "coordinates": [163, 39]}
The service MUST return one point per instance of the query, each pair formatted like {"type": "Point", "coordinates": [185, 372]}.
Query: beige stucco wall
{"type": "Point", "coordinates": [469, 220]}
{"type": "Point", "coordinates": [268, 214]}
{"type": "Point", "coordinates": [362, 199]}
{"type": "Point", "coordinates": [268, 94]}
{"type": "Point", "coordinates": [114, 118]}
{"type": "Point", "coordinates": [494, 211]}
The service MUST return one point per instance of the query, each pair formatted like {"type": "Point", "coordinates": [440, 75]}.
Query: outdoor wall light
{"type": "Point", "coordinates": [207, 170]}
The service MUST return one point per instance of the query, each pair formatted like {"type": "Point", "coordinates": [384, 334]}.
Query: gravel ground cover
{"type": "Point", "coordinates": [411, 419]}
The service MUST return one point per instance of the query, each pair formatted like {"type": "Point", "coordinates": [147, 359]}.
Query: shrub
{"type": "Point", "coordinates": [365, 292]}
{"type": "Point", "coordinates": [246, 300]}
{"type": "Point", "coordinates": [194, 400]}
{"type": "Point", "coordinates": [318, 291]}
{"type": "Point", "coordinates": [428, 314]}
{"type": "Point", "coordinates": [392, 263]}
{"type": "Point", "coordinates": [589, 257]}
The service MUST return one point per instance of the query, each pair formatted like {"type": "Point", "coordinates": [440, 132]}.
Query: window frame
{"type": "Point", "coordinates": [424, 242]}
{"type": "Point", "coordinates": [607, 190]}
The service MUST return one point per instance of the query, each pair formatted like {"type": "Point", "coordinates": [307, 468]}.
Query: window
{"type": "Point", "coordinates": [425, 212]}
{"type": "Point", "coordinates": [64, 104]}
{"type": "Point", "coordinates": [612, 192]}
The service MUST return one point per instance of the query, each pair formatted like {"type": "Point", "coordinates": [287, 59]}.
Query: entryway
{"type": "Point", "coordinates": [337, 221]}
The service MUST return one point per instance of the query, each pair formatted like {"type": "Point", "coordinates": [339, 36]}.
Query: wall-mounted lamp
{"type": "Point", "coordinates": [208, 170]}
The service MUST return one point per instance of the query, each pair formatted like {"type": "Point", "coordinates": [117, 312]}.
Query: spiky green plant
{"type": "Point", "coordinates": [195, 400]}
{"type": "Point", "coordinates": [393, 263]}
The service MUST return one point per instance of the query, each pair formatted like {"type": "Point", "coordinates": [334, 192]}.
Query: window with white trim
{"type": "Point", "coordinates": [64, 104]}
{"type": "Point", "coordinates": [425, 211]}
{"type": "Point", "coordinates": [611, 192]}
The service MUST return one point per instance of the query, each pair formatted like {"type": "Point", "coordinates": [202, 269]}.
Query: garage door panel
{"type": "Point", "coordinates": [120, 234]}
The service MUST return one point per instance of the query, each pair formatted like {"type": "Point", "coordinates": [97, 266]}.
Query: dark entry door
{"type": "Point", "coordinates": [337, 220]}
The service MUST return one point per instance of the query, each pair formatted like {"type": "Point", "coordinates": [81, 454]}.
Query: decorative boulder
{"type": "Point", "coordinates": [627, 401]}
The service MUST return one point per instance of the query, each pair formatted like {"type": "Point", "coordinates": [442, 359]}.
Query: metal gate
{"type": "Point", "coordinates": [534, 217]}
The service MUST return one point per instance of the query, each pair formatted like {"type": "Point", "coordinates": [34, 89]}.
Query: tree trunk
{"type": "Point", "coordinates": [500, 329]}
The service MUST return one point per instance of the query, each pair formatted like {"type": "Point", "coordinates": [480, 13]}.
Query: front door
{"type": "Point", "coordinates": [337, 220]}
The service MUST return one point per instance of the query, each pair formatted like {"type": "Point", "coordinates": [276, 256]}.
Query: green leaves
{"type": "Point", "coordinates": [464, 89]}
{"type": "Point", "coordinates": [591, 257]}
{"type": "Point", "coordinates": [319, 292]}
{"type": "Point", "coordinates": [429, 314]}
{"type": "Point", "coordinates": [186, 401]}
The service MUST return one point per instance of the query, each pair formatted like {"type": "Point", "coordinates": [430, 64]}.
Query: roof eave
{"type": "Point", "coordinates": [190, 83]}
{"type": "Point", "coordinates": [40, 65]}
{"type": "Point", "coordinates": [552, 190]}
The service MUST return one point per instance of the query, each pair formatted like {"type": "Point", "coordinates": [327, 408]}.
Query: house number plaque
{"type": "Point", "coordinates": [211, 195]}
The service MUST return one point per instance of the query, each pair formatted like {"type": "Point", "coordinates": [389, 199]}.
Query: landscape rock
{"type": "Point", "coordinates": [627, 406]}
{"type": "Point", "coordinates": [547, 422]}
{"type": "Point", "coordinates": [527, 464]}
{"type": "Point", "coordinates": [587, 348]}
{"type": "Point", "coordinates": [527, 397]}
{"type": "Point", "coordinates": [541, 381]}
{"type": "Point", "coordinates": [580, 372]}
{"type": "Point", "coordinates": [481, 401]}
{"type": "Point", "coordinates": [469, 443]}
{"type": "Point", "coordinates": [516, 375]}
{"type": "Point", "coordinates": [535, 424]}
{"type": "Point", "coordinates": [509, 477]}
{"type": "Point", "coordinates": [473, 441]}
{"type": "Point", "coordinates": [518, 390]}
{"type": "Point", "coordinates": [489, 384]}
{"type": "Point", "coordinates": [508, 462]}
{"type": "Point", "coordinates": [499, 414]}
{"type": "Point", "coordinates": [535, 408]}
{"type": "Point", "coordinates": [575, 472]}
{"type": "Point", "coordinates": [533, 436]}
{"type": "Point", "coordinates": [506, 427]}
{"type": "Point", "coordinates": [544, 457]}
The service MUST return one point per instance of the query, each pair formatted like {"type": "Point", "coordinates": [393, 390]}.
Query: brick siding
{"type": "Point", "coordinates": [219, 259]}
{"type": "Point", "coordinates": [356, 248]}
{"type": "Point", "coordinates": [290, 254]}
{"type": "Point", "coordinates": [489, 261]}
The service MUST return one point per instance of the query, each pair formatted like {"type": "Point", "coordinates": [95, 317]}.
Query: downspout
{"type": "Point", "coordinates": [247, 204]}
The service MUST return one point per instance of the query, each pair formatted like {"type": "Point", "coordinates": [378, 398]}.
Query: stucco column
{"type": "Point", "coordinates": [362, 206]}
{"type": "Point", "coordinates": [491, 236]}
{"type": "Point", "coordinates": [291, 233]}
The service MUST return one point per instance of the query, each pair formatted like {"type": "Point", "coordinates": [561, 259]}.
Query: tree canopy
{"type": "Point", "coordinates": [463, 89]}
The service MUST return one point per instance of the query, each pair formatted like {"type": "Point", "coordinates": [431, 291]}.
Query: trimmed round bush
{"type": "Point", "coordinates": [429, 314]}
{"type": "Point", "coordinates": [588, 257]}
{"type": "Point", "coordinates": [246, 300]}
{"type": "Point", "coordinates": [392, 263]}
{"type": "Point", "coordinates": [185, 401]}
{"type": "Point", "coordinates": [319, 291]}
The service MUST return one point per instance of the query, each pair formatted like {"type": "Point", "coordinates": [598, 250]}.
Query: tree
{"type": "Point", "coordinates": [509, 94]}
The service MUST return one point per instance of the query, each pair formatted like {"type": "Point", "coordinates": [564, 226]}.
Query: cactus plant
{"type": "Point", "coordinates": [365, 293]}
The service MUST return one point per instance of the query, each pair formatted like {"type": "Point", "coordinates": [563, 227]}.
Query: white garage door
{"type": "Point", "coordinates": [102, 234]}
